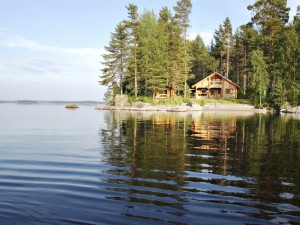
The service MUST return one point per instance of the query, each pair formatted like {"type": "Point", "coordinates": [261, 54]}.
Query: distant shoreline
{"type": "Point", "coordinates": [42, 102]}
{"type": "Point", "coordinates": [49, 101]}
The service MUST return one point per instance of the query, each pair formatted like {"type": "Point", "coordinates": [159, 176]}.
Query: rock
{"type": "Point", "coordinates": [191, 106]}
{"type": "Point", "coordinates": [291, 110]}
{"type": "Point", "coordinates": [106, 107]}
{"type": "Point", "coordinates": [71, 106]}
{"type": "Point", "coordinates": [194, 107]}
{"type": "Point", "coordinates": [263, 110]}
{"type": "Point", "coordinates": [121, 101]}
{"type": "Point", "coordinates": [181, 108]}
{"type": "Point", "coordinates": [297, 109]}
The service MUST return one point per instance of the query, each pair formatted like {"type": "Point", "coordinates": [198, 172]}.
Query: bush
{"type": "Point", "coordinates": [286, 106]}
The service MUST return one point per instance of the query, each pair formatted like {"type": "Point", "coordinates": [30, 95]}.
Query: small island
{"type": "Point", "coordinates": [71, 106]}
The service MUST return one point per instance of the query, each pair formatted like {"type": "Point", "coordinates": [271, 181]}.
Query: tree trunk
{"type": "Point", "coordinates": [135, 70]}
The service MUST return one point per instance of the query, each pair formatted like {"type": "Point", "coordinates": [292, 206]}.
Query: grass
{"type": "Point", "coordinates": [178, 100]}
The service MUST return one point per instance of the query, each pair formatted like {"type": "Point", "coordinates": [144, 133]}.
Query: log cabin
{"type": "Point", "coordinates": [169, 92]}
{"type": "Point", "coordinates": [215, 86]}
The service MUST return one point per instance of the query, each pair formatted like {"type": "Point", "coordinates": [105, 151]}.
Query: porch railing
{"type": "Point", "coordinates": [161, 96]}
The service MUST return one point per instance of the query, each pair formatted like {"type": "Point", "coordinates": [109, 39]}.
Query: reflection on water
{"type": "Point", "coordinates": [99, 167]}
{"type": "Point", "coordinates": [179, 168]}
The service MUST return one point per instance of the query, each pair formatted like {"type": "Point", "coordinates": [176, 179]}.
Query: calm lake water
{"type": "Point", "coordinates": [84, 166]}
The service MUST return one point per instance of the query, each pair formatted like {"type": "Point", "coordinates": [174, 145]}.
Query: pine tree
{"type": "Point", "coordinates": [237, 57]}
{"type": "Point", "coordinates": [182, 13]}
{"type": "Point", "coordinates": [270, 17]}
{"type": "Point", "coordinates": [296, 21]}
{"type": "Point", "coordinates": [259, 74]}
{"type": "Point", "coordinates": [250, 42]}
{"type": "Point", "coordinates": [202, 62]}
{"type": "Point", "coordinates": [228, 42]}
{"type": "Point", "coordinates": [296, 78]}
{"type": "Point", "coordinates": [165, 22]}
{"type": "Point", "coordinates": [115, 60]}
{"type": "Point", "coordinates": [223, 41]}
{"type": "Point", "coordinates": [174, 48]}
{"type": "Point", "coordinates": [153, 53]}
{"type": "Point", "coordinates": [132, 26]}
{"type": "Point", "coordinates": [216, 47]}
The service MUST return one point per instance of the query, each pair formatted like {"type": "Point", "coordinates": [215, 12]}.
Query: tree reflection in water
{"type": "Point", "coordinates": [157, 162]}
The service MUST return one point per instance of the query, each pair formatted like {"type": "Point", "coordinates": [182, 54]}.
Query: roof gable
{"type": "Point", "coordinates": [213, 74]}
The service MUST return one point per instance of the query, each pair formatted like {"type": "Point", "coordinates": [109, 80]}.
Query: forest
{"type": "Point", "coordinates": [148, 52]}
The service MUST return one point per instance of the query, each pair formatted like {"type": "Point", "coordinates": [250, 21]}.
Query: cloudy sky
{"type": "Point", "coordinates": [51, 49]}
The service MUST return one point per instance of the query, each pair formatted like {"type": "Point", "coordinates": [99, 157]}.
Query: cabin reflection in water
{"type": "Point", "coordinates": [213, 133]}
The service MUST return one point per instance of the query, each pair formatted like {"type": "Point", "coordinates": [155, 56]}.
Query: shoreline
{"type": "Point", "coordinates": [139, 106]}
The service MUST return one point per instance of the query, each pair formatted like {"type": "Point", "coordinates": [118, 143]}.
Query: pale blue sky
{"type": "Point", "coordinates": [51, 49]}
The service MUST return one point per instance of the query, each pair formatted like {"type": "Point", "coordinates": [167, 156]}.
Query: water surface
{"type": "Point", "coordinates": [84, 166]}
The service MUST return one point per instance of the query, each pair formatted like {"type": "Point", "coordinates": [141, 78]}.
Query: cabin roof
{"type": "Point", "coordinates": [225, 78]}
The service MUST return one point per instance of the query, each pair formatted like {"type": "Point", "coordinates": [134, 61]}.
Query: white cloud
{"type": "Point", "coordinates": [47, 72]}
{"type": "Point", "coordinates": [11, 40]}
{"type": "Point", "coordinates": [22, 42]}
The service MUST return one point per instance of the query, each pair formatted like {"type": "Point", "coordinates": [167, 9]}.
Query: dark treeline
{"type": "Point", "coordinates": [146, 52]}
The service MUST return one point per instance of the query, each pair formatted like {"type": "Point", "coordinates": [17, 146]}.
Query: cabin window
{"type": "Point", "coordinates": [229, 91]}
{"type": "Point", "coordinates": [203, 91]}
{"type": "Point", "coordinates": [212, 91]}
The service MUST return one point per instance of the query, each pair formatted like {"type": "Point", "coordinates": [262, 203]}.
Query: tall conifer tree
{"type": "Point", "coordinates": [115, 59]}
{"type": "Point", "coordinates": [132, 26]}
{"type": "Point", "coordinates": [270, 17]}
{"type": "Point", "coordinates": [182, 13]}
{"type": "Point", "coordinates": [153, 53]}
{"type": "Point", "coordinates": [202, 62]}
{"type": "Point", "coordinates": [222, 46]}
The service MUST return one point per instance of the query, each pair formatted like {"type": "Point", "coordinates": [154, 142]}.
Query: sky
{"type": "Point", "coordinates": [51, 49]}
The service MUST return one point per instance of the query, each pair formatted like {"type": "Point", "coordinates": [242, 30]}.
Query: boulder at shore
{"type": "Point", "coordinates": [291, 110]}
{"type": "Point", "coordinates": [191, 106]}
{"type": "Point", "coordinates": [121, 101]}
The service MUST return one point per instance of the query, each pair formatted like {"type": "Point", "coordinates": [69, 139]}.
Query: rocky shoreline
{"type": "Point", "coordinates": [121, 103]}
{"type": "Point", "coordinates": [186, 107]}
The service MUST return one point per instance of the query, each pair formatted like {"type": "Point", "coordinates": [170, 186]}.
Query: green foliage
{"type": "Point", "coordinates": [132, 28]}
{"type": "Point", "coordinates": [147, 52]}
{"type": "Point", "coordinates": [223, 40]}
{"type": "Point", "coordinates": [115, 59]}
{"type": "Point", "coordinates": [286, 106]}
{"type": "Point", "coordinates": [202, 62]}
{"type": "Point", "coordinates": [153, 54]}
{"type": "Point", "coordinates": [259, 75]}
{"type": "Point", "coordinates": [145, 99]}
{"type": "Point", "coordinates": [183, 11]}
{"type": "Point", "coordinates": [280, 93]}
{"type": "Point", "coordinates": [108, 97]}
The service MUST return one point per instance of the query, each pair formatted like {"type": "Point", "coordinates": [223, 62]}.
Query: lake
{"type": "Point", "coordinates": [84, 166]}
